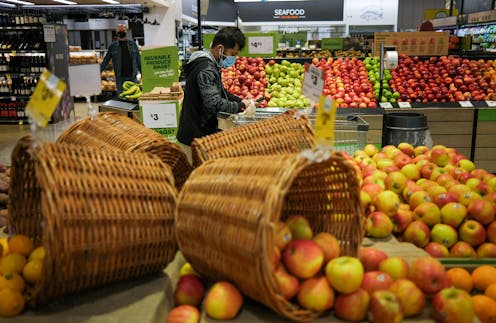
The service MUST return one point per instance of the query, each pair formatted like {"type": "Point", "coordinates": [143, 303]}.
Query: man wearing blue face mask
{"type": "Point", "coordinates": [125, 57]}
{"type": "Point", "coordinates": [204, 94]}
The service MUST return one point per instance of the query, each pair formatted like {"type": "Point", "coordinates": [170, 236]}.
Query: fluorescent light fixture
{"type": "Point", "coordinates": [20, 2]}
{"type": "Point", "coordinates": [65, 1]}
{"type": "Point", "coordinates": [111, 1]}
{"type": "Point", "coordinates": [7, 4]}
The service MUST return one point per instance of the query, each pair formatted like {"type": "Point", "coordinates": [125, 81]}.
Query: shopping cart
{"type": "Point", "coordinates": [350, 131]}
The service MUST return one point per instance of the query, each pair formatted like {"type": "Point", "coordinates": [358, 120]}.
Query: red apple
{"type": "Point", "coordinates": [411, 171]}
{"type": "Point", "coordinates": [444, 198]}
{"type": "Point", "coordinates": [352, 306]}
{"type": "Point", "coordinates": [428, 274]}
{"type": "Point", "coordinates": [379, 225]}
{"type": "Point", "coordinates": [462, 249]}
{"type": "Point", "coordinates": [190, 290]}
{"type": "Point", "coordinates": [427, 169]}
{"type": "Point", "coordinates": [288, 284]}
{"type": "Point", "coordinates": [395, 267]}
{"type": "Point", "coordinates": [407, 149]}
{"type": "Point", "coordinates": [370, 150]}
{"type": "Point", "coordinates": [481, 210]}
{"type": "Point", "coordinates": [371, 258]}
{"type": "Point", "coordinates": [453, 305]}
{"type": "Point", "coordinates": [453, 213]}
{"type": "Point", "coordinates": [428, 213]}
{"type": "Point", "coordinates": [396, 182]}
{"type": "Point", "coordinates": [385, 307]}
{"type": "Point", "coordinates": [223, 301]}
{"type": "Point", "coordinates": [376, 280]}
{"type": "Point", "coordinates": [437, 250]}
{"type": "Point", "coordinates": [316, 294]}
{"type": "Point", "coordinates": [345, 274]}
{"type": "Point", "coordinates": [486, 250]}
{"type": "Point", "coordinates": [387, 202]}
{"type": "Point", "coordinates": [303, 258]}
{"type": "Point", "coordinates": [400, 160]}
{"type": "Point", "coordinates": [372, 189]}
{"type": "Point", "coordinates": [412, 299]}
{"type": "Point", "coordinates": [329, 245]}
{"type": "Point", "coordinates": [491, 232]}
{"type": "Point", "coordinates": [418, 198]}
{"type": "Point", "coordinates": [472, 232]}
{"type": "Point", "coordinates": [444, 234]}
{"type": "Point", "coordinates": [183, 314]}
{"type": "Point", "coordinates": [417, 233]}
{"type": "Point", "coordinates": [401, 219]}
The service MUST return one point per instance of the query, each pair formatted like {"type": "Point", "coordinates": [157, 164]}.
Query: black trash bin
{"type": "Point", "coordinates": [410, 127]}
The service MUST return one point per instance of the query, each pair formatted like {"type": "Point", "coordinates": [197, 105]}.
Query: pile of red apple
{"type": "Point", "coordinates": [246, 78]}
{"type": "Point", "coordinates": [443, 79]}
{"type": "Point", "coordinates": [347, 82]}
{"type": "Point", "coordinates": [434, 198]}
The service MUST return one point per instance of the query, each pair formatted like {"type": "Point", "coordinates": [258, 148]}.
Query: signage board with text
{"type": "Point", "coordinates": [423, 43]}
{"type": "Point", "coordinates": [159, 67]}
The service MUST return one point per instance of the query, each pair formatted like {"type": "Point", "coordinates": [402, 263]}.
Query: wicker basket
{"type": "Point", "coordinates": [114, 130]}
{"type": "Point", "coordinates": [227, 210]}
{"type": "Point", "coordinates": [102, 216]}
{"type": "Point", "coordinates": [285, 133]}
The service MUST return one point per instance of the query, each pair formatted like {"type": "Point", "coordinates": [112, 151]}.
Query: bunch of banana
{"type": "Point", "coordinates": [131, 91]}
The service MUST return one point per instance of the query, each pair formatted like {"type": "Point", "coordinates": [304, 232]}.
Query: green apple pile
{"type": "Point", "coordinates": [434, 198]}
{"type": "Point", "coordinates": [284, 86]}
{"type": "Point", "coordinates": [373, 67]}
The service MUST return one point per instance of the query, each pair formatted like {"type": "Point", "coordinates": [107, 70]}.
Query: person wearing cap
{"type": "Point", "coordinates": [125, 57]}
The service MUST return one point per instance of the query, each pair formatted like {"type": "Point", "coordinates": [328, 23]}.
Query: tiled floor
{"type": "Point", "coordinates": [10, 133]}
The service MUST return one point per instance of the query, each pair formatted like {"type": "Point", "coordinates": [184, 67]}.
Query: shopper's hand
{"type": "Point", "coordinates": [246, 102]}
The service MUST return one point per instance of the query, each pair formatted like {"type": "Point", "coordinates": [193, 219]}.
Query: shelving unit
{"type": "Point", "coordinates": [22, 59]}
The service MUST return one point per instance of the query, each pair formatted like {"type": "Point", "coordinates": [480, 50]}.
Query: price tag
{"type": "Point", "coordinates": [466, 104]}
{"type": "Point", "coordinates": [491, 103]}
{"type": "Point", "coordinates": [260, 45]}
{"type": "Point", "coordinates": [313, 82]}
{"type": "Point", "coordinates": [49, 33]}
{"type": "Point", "coordinates": [159, 115]}
{"type": "Point", "coordinates": [45, 98]}
{"type": "Point", "coordinates": [404, 104]}
{"type": "Point", "coordinates": [324, 124]}
{"type": "Point", "coordinates": [386, 105]}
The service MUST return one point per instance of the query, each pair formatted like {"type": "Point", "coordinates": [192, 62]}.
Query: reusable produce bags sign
{"type": "Point", "coordinates": [159, 67]}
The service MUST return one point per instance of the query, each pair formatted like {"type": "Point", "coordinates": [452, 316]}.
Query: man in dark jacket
{"type": "Point", "coordinates": [204, 93]}
{"type": "Point", "coordinates": [125, 58]}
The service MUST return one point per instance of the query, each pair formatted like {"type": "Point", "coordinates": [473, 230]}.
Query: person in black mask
{"type": "Point", "coordinates": [125, 58]}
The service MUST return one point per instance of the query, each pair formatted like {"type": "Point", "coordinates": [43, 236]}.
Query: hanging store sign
{"type": "Point", "coordinates": [414, 43]}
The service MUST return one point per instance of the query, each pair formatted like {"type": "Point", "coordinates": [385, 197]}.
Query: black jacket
{"type": "Point", "coordinates": [204, 97]}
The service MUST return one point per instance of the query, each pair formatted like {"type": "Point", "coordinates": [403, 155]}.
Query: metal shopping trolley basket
{"type": "Point", "coordinates": [350, 131]}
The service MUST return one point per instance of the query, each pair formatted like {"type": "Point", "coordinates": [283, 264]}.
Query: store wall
{"type": "Point", "coordinates": [411, 13]}
{"type": "Point", "coordinates": [163, 34]}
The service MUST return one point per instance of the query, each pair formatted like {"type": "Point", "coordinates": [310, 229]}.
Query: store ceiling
{"type": "Point", "coordinates": [147, 3]}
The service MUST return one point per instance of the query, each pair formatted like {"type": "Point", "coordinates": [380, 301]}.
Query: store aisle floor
{"type": "Point", "coordinates": [10, 133]}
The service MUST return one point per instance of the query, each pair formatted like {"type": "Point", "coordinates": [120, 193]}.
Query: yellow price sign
{"type": "Point", "coordinates": [324, 124]}
{"type": "Point", "coordinates": [45, 98]}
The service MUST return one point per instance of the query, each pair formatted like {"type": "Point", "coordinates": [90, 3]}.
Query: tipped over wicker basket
{"type": "Point", "coordinates": [102, 215]}
{"type": "Point", "coordinates": [227, 210]}
{"type": "Point", "coordinates": [285, 133]}
{"type": "Point", "coordinates": [116, 131]}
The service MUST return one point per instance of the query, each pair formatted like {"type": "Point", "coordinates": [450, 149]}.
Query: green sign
{"type": "Point", "coordinates": [161, 116]}
{"type": "Point", "coordinates": [257, 44]}
{"type": "Point", "coordinates": [159, 67]}
{"type": "Point", "coordinates": [332, 43]}
{"type": "Point", "coordinates": [293, 38]}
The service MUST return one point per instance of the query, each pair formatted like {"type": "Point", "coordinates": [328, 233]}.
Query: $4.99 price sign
{"type": "Point", "coordinates": [45, 98]}
{"type": "Point", "coordinates": [324, 124]}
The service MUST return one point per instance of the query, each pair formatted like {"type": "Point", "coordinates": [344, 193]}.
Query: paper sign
{"type": "Point", "coordinates": [491, 103]}
{"type": "Point", "coordinates": [466, 104]}
{"type": "Point", "coordinates": [260, 45]}
{"type": "Point", "coordinates": [45, 98]}
{"type": "Point", "coordinates": [404, 104]}
{"type": "Point", "coordinates": [324, 124]}
{"type": "Point", "coordinates": [49, 33]}
{"type": "Point", "coordinates": [386, 105]}
{"type": "Point", "coordinates": [160, 67]}
{"type": "Point", "coordinates": [160, 115]}
{"type": "Point", "coordinates": [313, 82]}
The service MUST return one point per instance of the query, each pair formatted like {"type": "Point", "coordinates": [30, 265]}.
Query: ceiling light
{"type": "Point", "coordinates": [7, 4]}
{"type": "Point", "coordinates": [65, 1]}
{"type": "Point", "coordinates": [111, 1]}
{"type": "Point", "coordinates": [20, 2]}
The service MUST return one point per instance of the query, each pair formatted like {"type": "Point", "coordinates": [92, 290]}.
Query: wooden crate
{"type": "Point", "coordinates": [485, 147]}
